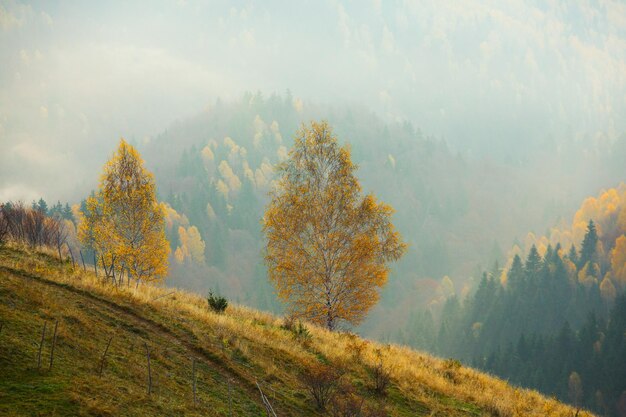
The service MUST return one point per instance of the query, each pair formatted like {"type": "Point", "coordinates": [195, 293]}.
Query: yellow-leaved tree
{"type": "Point", "coordinates": [123, 222]}
{"type": "Point", "coordinates": [328, 246]}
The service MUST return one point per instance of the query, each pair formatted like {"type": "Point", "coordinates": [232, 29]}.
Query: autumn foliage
{"type": "Point", "coordinates": [123, 221]}
{"type": "Point", "coordinates": [327, 245]}
{"type": "Point", "coordinates": [598, 229]}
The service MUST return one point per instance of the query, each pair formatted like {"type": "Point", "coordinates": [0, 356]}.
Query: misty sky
{"type": "Point", "coordinates": [76, 76]}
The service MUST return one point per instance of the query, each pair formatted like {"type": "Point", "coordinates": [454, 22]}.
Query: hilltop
{"type": "Point", "coordinates": [238, 355]}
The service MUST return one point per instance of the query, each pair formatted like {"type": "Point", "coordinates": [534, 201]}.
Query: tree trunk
{"type": "Point", "coordinates": [149, 370]}
{"type": "Point", "coordinates": [54, 341]}
{"type": "Point", "coordinates": [82, 259]}
{"type": "Point", "coordinates": [104, 355]}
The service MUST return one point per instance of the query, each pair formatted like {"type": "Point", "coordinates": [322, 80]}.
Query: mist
{"type": "Point", "coordinates": [488, 78]}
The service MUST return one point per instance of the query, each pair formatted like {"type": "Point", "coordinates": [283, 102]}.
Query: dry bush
{"type": "Point", "coordinates": [451, 366]}
{"type": "Point", "coordinates": [31, 227]}
{"type": "Point", "coordinates": [297, 328]}
{"type": "Point", "coordinates": [381, 375]}
{"type": "Point", "coordinates": [321, 381]}
{"type": "Point", "coordinates": [347, 403]}
{"type": "Point", "coordinates": [4, 226]}
{"type": "Point", "coordinates": [289, 321]}
{"type": "Point", "coordinates": [355, 347]}
{"type": "Point", "coordinates": [15, 215]}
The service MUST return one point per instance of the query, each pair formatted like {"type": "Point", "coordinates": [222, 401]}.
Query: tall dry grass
{"type": "Point", "coordinates": [416, 375]}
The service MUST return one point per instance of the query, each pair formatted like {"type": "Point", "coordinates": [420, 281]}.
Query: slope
{"type": "Point", "coordinates": [233, 352]}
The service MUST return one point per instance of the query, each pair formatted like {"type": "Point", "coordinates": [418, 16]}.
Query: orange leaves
{"type": "Point", "coordinates": [327, 246]}
{"type": "Point", "coordinates": [607, 289]}
{"type": "Point", "coordinates": [608, 212]}
{"type": "Point", "coordinates": [191, 246]}
{"type": "Point", "coordinates": [123, 222]}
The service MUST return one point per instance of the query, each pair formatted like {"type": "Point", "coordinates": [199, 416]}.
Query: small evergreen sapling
{"type": "Point", "coordinates": [217, 303]}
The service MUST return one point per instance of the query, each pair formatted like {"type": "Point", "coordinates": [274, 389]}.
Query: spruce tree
{"type": "Point", "coordinates": [588, 249]}
{"type": "Point", "coordinates": [515, 276]}
{"type": "Point", "coordinates": [42, 206]}
{"type": "Point", "coordinates": [533, 264]}
{"type": "Point", "coordinates": [67, 212]}
{"type": "Point", "coordinates": [573, 254]}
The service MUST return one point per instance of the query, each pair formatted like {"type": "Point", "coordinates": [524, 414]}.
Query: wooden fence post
{"type": "Point", "coordinates": [43, 335]}
{"type": "Point", "coordinates": [193, 366]}
{"type": "Point", "coordinates": [104, 355]}
{"type": "Point", "coordinates": [71, 255]}
{"type": "Point", "coordinates": [230, 399]}
{"type": "Point", "coordinates": [54, 341]}
{"type": "Point", "coordinates": [149, 370]}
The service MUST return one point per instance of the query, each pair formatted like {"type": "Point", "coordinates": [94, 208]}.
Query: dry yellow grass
{"type": "Point", "coordinates": [419, 381]}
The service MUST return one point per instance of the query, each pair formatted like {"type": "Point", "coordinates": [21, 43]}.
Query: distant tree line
{"type": "Point", "coordinates": [57, 210]}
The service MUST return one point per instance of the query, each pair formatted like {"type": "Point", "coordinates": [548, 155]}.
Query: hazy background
{"type": "Point", "coordinates": [491, 78]}
{"type": "Point", "coordinates": [486, 125]}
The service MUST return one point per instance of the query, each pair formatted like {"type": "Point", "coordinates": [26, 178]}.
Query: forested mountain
{"type": "Point", "coordinates": [554, 321]}
{"type": "Point", "coordinates": [458, 212]}
{"type": "Point", "coordinates": [548, 313]}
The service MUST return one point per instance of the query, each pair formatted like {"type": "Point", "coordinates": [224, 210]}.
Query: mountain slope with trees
{"type": "Point", "coordinates": [457, 211]}
{"type": "Point", "coordinates": [553, 321]}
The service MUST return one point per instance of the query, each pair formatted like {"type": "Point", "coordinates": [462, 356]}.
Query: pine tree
{"type": "Point", "coordinates": [67, 212]}
{"type": "Point", "coordinates": [42, 206]}
{"type": "Point", "coordinates": [588, 249]}
{"type": "Point", "coordinates": [533, 261]}
{"type": "Point", "coordinates": [573, 254]}
{"type": "Point", "coordinates": [515, 276]}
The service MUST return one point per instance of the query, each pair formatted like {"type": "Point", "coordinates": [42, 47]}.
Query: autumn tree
{"type": "Point", "coordinates": [618, 261]}
{"type": "Point", "coordinates": [191, 245]}
{"type": "Point", "coordinates": [575, 388]}
{"type": "Point", "coordinates": [123, 221]}
{"type": "Point", "coordinates": [328, 246]}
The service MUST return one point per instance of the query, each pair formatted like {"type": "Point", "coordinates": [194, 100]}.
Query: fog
{"type": "Point", "coordinates": [487, 77]}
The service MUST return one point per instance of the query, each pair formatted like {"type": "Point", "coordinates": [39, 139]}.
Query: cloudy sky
{"type": "Point", "coordinates": [76, 76]}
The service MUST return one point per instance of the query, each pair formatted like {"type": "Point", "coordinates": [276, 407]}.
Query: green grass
{"type": "Point", "coordinates": [72, 386]}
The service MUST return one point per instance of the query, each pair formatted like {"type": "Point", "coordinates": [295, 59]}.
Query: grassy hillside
{"type": "Point", "coordinates": [233, 351]}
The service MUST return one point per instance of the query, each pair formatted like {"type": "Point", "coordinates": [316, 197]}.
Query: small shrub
{"type": "Point", "coordinates": [355, 347]}
{"type": "Point", "coordinates": [297, 328]}
{"type": "Point", "coordinates": [451, 367]}
{"type": "Point", "coordinates": [300, 332]}
{"type": "Point", "coordinates": [381, 375]}
{"type": "Point", "coordinates": [289, 322]}
{"type": "Point", "coordinates": [347, 403]}
{"type": "Point", "coordinates": [321, 381]}
{"type": "Point", "coordinates": [453, 364]}
{"type": "Point", "coordinates": [217, 303]}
